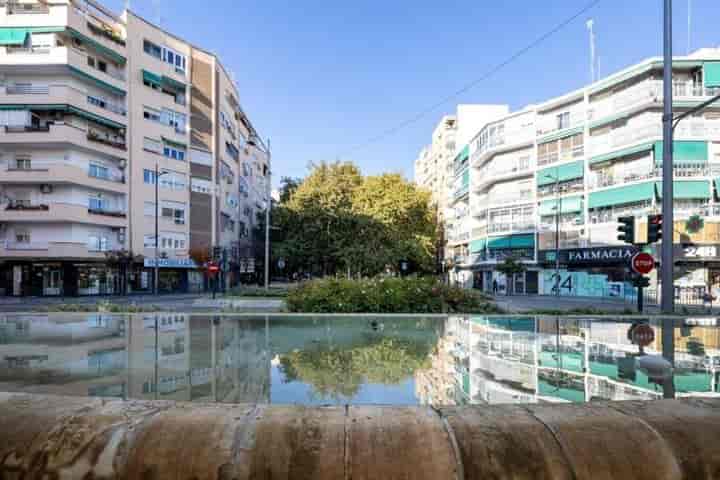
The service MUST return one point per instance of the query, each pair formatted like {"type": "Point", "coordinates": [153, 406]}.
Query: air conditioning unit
{"type": "Point", "coordinates": [46, 188]}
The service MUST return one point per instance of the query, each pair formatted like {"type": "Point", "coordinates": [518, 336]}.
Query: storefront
{"type": "Point", "coordinates": [486, 254]}
{"type": "Point", "coordinates": [173, 276]}
{"type": "Point", "coordinates": [588, 272]}
{"type": "Point", "coordinates": [55, 279]}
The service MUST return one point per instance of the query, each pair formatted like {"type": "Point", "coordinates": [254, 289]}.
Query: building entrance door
{"type": "Point", "coordinates": [17, 280]}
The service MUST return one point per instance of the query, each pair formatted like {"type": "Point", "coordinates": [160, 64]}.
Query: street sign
{"type": "Point", "coordinates": [642, 334]}
{"type": "Point", "coordinates": [642, 263]}
{"type": "Point", "coordinates": [213, 268]}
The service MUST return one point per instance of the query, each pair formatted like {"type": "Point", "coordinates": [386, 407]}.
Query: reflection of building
{"type": "Point", "coordinates": [530, 360]}
{"type": "Point", "coordinates": [437, 385]}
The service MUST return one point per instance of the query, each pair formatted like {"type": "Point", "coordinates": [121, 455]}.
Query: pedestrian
{"type": "Point", "coordinates": [495, 287]}
{"type": "Point", "coordinates": [707, 300]}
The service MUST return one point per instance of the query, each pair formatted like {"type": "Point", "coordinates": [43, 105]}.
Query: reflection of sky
{"type": "Point", "coordinates": [369, 393]}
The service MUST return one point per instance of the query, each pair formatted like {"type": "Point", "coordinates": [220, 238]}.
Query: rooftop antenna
{"type": "Point", "coordinates": [157, 8]}
{"type": "Point", "coordinates": [590, 24]}
{"type": "Point", "coordinates": [127, 4]}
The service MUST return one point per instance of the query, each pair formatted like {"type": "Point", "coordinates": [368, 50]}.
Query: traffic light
{"type": "Point", "coordinates": [641, 281]}
{"type": "Point", "coordinates": [216, 252]}
{"type": "Point", "coordinates": [626, 229]}
{"type": "Point", "coordinates": [654, 232]}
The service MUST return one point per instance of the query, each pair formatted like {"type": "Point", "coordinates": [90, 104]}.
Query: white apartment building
{"type": "Point", "coordinates": [584, 159]}
{"type": "Point", "coordinates": [95, 110]}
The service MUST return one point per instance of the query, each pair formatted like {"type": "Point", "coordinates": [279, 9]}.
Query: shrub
{"type": "Point", "coordinates": [252, 291]}
{"type": "Point", "coordinates": [385, 295]}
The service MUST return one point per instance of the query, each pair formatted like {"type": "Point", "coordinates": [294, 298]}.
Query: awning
{"type": "Point", "coordinates": [561, 134]}
{"type": "Point", "coordinates": [13, 36]}
{"type": "Point", "coordinates": [99, 83]}
{"type": "Point", "coordinates": [466, 178]}
{"type": "Point", "coordinates": [622, 195]}
{"type": "Point", "coordinates": [98, 47]}
{"type": "Point", "coordinates": [172, 83]}
{"type": "Point", "coordinates": [684, 152]}
{"type": "Point", "coordinates": [152, 78]}
{"type": "Point", "coordinates": [711, 74]}
{"type": "Point", "coordinates": [562, 173]}
{"type": "Point", "coordinates": [95, 118]}
{"type": "Point", "coordinates": [477, 246]}
{"type": "Point", "coordinates": [645, 147]}
{"type": "Point", "coordinates": [464, 154]}
{"type": "Point", "coordinates": [512, 241]}
{"type": "Point", "coordinates": [567, 205]}
{"type": "Point", "coordinates": [174, 143]}
{"type": "Point", "coordinates": [687, 189]}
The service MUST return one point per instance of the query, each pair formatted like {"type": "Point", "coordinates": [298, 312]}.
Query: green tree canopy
{"type": "Point", "coordinates": [337, 221]}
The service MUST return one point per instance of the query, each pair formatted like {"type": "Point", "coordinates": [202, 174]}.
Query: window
{"type": "Point", "coordinates": [563, 120]}
{"type": "Point", "coordinates": [91, 62]}
{"type": "Point", "coordinates": [232, 151]}
{"type": "Point", "coordinates": [98, 243]}
{"type": "Point", "coordinates": [152, 49]}
{"type": "Point", "coordinates": [174, 152]}
{"type": "Point", "coordinates": [22, 236]}
{"type": "Point", "coordinates": [99, 171]}
{"type": "Point", "coordinates": [149, 241]}
{"type": "Point", "coordinates": [151, 145]}
{"type": "Point", "coordinates": [174, 211]}
{"type": "Point", "coordinates": [149, 209]}
{"type": "Point", "coordinates": [201, 185]}
{"type": "Point", "coordinates": [23, 162]}
{"type": "Point", "coordinates": [98, 203]}
{"type": "Point", "coordinates": [172, 241]}
{"type": "Point", "coordinates": [152, 114]}
{"type": "Point", "coordinates": [149, 177]}
{"type": "Point", "coordinates": [231, 201]}
{"type": "Point", "coordinates": [174, 119]}
{"type": "Point", "coordinates": [102, 66]}
{"type": "Point", "coordinates": [227, 223]}
{"type": "Point", "coordinates": [173, 180]}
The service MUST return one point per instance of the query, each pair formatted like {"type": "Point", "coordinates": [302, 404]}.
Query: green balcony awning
{"type": "Point", "coordinates": [13, 36]}
{"type": "Point", "coordinates": [172, 83]}
{"type": "Point", "coordinates": [562, 173]}
{"type": "Point", "coordinates": [98, 47]}
{"type": "Point", "coordinates": [99, 83]}
{"type": "Point", "coordinates": [561, 134]}
{"type": "Point", "coordinates": [152, 78]}
{"type": "Point", "coordinates": [477, 246]}
{"type": "Point", "coordinates": [466, 178]}
{"type": "Point", "coordinates": [511, 241]}
{"type": "Point", "coordinates": [645, 147]}
{"type": "Point", "coordinates": [711, 74]}
{"type": "Point", "coordinates": [567, 205]}
{"type": "Point", "coordinates": [174, 143]}
{"type": "Point", "coordinates": [522, 241]}
{"type": "Point", "coordinates": [464, 154]}
{"type": "Point", "coordinates": [687, 189]}
{"type": "Point", "coordinates": [95, 118]}
{"type": "Point", "coordinates": [684, 152]}
{"type": "Point", "coordinates": [622, 195]}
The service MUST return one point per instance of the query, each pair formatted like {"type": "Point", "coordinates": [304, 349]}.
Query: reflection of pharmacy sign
{"type": "Point", "coordinates": [700, 251]}
{"type": "Point", "coordinates": [281, 263]}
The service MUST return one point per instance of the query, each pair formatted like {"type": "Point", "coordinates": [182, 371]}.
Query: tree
{"type": "Point", "coordinates": [337, 221]}
{"type": "Point", "coordinates": [509, 267]}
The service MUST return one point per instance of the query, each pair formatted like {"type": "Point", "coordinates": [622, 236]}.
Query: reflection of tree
{"type": "Point", "coordinates": [695, 346]}
{"type": "Point", "coordinates": [335, 373]}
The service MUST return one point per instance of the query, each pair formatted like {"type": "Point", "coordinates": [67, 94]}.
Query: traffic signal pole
{"type": "Point", "coordinates": [668, 293]}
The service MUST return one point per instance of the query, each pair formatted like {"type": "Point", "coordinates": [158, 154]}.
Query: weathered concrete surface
{"type": "Point", "coordinates": [48, 437]}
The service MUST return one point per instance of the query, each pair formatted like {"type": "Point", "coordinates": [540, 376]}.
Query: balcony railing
{"type": "Point", "coordinates": [25, 246]}
{"type": "Point", "coordinates": [105, 140]}
{"type": "Point", "coordinates": [608, 180]}
{"type": "Point", "coordinates": [107, 105]}
{"type": "Point", "coordinates": [561, 156]}
{"type": "Point", "coordinates": [27, 89]}
{"type": "Point", "coordinates": [17, 8]}
{"type": "Point", "coordinates": [26, 128]}
{"type": "Point", "coordinates": [498, 227]}
{"type": "Point", "coordinates": [511, 199]}
{"type": "Point", "coordinates": [106, 31]}
{"type": "Point", "coordinates": [107, 212]}
{"type": "Point", "coordinates": [551, 124]}
{"type": "Point", "coordinates": [27, 207]}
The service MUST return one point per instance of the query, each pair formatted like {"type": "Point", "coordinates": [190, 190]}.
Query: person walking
{"type": "Point", "coordinates": [495, 286]}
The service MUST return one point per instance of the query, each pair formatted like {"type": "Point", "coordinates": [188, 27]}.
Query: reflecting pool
{"type": "Point", "coordinates": [402, 360]}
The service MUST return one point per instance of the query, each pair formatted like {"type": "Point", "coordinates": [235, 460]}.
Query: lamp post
{"type": "Point", "coordinates": [268, 205]}
{"type": "Point", "coordinates": [558, 212]}
{"type": "Point", "coordinates": [156, 275]}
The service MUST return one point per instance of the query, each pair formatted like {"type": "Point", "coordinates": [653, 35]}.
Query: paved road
{"type": "Point", "coordinates": [180, 302]}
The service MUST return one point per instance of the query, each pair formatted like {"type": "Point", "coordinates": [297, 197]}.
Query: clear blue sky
{"type": "Point", "coordinates": [320, 77]}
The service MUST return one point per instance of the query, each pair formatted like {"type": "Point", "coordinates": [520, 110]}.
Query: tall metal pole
{"type": "Point", "coordinates": [268, 205]}
{"type": "Point", "coordinates": [668, 294]}
{"type": "Point", "coordinates": [156, 275]}
{"type": "Point", "coordinates": [558, 208]}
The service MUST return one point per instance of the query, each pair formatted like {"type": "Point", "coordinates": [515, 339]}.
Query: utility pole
{"type": "Point", "coordinates": [268, 199]}
{"type": "Point", "coordinates": [668, 293]}
{"type": "Point", "coordinates": [156, 276]}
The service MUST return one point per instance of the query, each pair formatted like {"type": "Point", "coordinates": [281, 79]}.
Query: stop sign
{"type": "Point", "coordinates": [642, 334]}
{"type": "Point", "coordinates": [642, 263]}
{"type": "Point", "coordinates": [213, 268]}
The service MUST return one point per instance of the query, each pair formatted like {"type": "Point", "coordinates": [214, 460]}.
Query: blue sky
{"type": "Point", "coordinates": [321, 77]}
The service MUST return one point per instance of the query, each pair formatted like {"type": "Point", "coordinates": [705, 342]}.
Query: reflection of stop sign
{"type": "Point", "coordinates": [213, 268]}
{"type": "Point", "coordinates": [643, 335]}
{"type": "Point", "coordinates": [642, 263]}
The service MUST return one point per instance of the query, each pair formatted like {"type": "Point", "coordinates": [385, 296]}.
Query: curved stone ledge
{"type": "Point", "coordinates": [72, 437]}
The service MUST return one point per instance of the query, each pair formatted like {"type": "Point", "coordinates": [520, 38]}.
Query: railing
{"type": "Point", "coordinates": [106, 32]}
{"type": "Point", "coordinates": [27, 207]}
{"type": "Point", "coordinates": [27, 50]}
{"type": "Point", "coordinates": [504, 200]}
{"type": "Point", "coordinates": [107, 212]}
{"type": "Point", "coordinates": [26, 128]}
{"type": "Point", "coordinates": [608, 180]}
{"type": "Point", "coordinates": [15, 8]}
{"type": "Point", "coordinates": [498, 227]}
{"type": "Point", "coordinates": [25, 246]}
{"type": "Point", "coordinates": [108, 177]}
{"type": "Point", "coordinates": [571, 186]}
{"type": "Point", "coordinates": [27, 89]}
{"type": "Point", "coordinates": [640, 94]}
{"type": "Point", "coordinates": [550, 125]}
{"type": "Point", "coordinates": [105, 140]}
{"type": "Point", "coordinates": [560, 156]}
{"type": "Point", "coordinates": [109, 71]}
{"type": "Point", "coordinates": [107, 105]}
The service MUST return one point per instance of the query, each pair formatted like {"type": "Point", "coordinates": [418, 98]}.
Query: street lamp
{"type": "Point", "coordinates": [558, 212]}
{"type": "Point", "coordinates": [156, 275]}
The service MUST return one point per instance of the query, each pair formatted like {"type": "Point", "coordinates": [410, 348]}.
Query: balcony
{"type": "Point", "coordinates": [63, 173]}
{"type": "Point", "coordinates": [502, 140]}
{"type": "Point", "coordinates": [509, 227]}
{"type": "Point", "coordinates": [60, 134]}
{"type": "Point", "coordinates": [502, 200]}
{"type": "Point", "coordinates": [488, 177]}
{"type": "Point", "coordinates": [63, 95]}
{"type": "Point", "coordinates": [48, 250]}
{"type": "Point", "coordinates": [61, 213]}
{"type": "Point", "coordinates": [551, 123]}
{"type": "Point", "coordinates": [35, 8]}
{"type": "Point", "coordinates": [105, 139]}
{"type": "Point", "coordinates": [550, 158]}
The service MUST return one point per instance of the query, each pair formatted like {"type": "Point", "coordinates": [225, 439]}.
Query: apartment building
{"type": "Point", "coordinates": [96, 111]}
{"type": "Point", "coordinates": [582, 160]}
{"type": "Point", "coordinates": [433, 167]}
